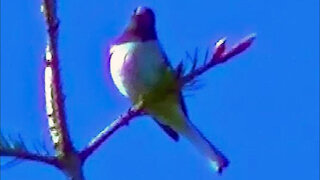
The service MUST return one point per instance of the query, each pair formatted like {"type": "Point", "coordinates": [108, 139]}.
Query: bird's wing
{"type": "Point", "coordinates": [181, 98]}
{"type": "Point", "coordinates": [168, 130]}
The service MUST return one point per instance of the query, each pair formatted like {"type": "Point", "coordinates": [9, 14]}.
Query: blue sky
{"type": "Point", "coordinates": [261, 109]}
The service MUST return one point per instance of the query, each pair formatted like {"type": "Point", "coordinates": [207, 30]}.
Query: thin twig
{"type": "Point", "coordinates": [109, 130]}
{"type": "Point", "coordinates": [219, 57]}
{"type": "Point", "coordinates": [52, 160]}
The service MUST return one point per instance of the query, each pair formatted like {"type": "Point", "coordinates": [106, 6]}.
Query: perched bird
{"type": "Point", "coordinates": [141, 71]}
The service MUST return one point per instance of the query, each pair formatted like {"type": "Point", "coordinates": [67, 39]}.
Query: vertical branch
{"type": "Point", "coordinates": [53, 91]}
{"type": "Point", "coordinates": [69, 160]}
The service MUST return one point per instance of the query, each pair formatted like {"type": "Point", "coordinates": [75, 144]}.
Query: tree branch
{"type": "Point", "coordinates": [109, 130]}
{"type": "Point", "coordinates": [69, 160]}
{"type": "Point", "coordinates": [25, 155]}
{"type": "Point", "coordinates": [53, 90]}
{"type": "Point", "coordinates": [219, 56]}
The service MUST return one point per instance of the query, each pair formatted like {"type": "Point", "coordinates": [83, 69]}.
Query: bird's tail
{"type": "Point", "coordinates": [174, 115]}
{"type": "Point", "coordinates": [217, 159]}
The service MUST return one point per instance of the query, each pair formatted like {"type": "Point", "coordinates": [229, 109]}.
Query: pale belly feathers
{"type": "Point", "coordinates": [136, 66]}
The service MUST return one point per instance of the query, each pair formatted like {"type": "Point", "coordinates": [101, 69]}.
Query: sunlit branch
{"type": "Point", "coordinates": [68, 158]}
{"type": "Point", "coordinates": [53, 90]}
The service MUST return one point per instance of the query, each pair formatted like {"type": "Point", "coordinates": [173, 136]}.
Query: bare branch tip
{"type": "Point", "coordinates": [220, 47]}
{"type": "Point", "coordinates": [250, 38]}
{"type": "Point", "coordinates": [221, 42]}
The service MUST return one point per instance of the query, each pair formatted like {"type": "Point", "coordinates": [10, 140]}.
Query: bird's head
{"type": "Point", "coordinates": [142, 22]}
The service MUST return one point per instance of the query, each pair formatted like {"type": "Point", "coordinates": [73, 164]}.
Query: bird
{"type": "Point", "coordinates": [141, 71]}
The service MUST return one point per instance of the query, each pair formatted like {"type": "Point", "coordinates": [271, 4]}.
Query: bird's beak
{"type": "Point", "coordinates": [139, 10]}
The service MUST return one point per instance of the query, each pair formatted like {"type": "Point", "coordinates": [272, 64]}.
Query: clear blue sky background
{"type": "Point", "coordinates": [261, 109]}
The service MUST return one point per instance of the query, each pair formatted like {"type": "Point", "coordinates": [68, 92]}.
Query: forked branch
{"type": "Point", "coordinates": [67, 158]}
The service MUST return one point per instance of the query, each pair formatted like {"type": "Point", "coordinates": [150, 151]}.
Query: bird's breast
{"type": "Point", "coordinates": [136, 66]}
